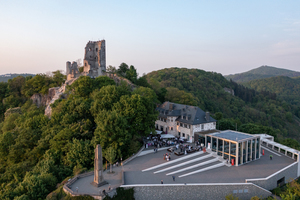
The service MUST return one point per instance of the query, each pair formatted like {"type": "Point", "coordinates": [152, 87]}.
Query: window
{"type": "Point", "coordinates": [202, 126]}
{"type": "Point", "coordinates": [179, 134]}
{"type": "Point", "coordinates": [177, 123]}
{"type": "Point", "coordinates": [181, 124]}
{"type": "Point", "coordinates": [183, 135]}
{"type": "Point", "coordinates": [185, 126]}
{"type": "Point", "coordinates": [171, 128]}
{"type": "Point", "coordinates": [96, 49]}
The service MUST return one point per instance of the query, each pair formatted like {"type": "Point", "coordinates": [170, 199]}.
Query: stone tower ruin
{"type": "Point", "coordinates": [94, 59]}
{"type": "Point", "coordinates": [94, 63]}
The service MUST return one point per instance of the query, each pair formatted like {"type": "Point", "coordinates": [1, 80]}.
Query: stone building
{"type": "Point", "coordinates": [94, 59]}
{"type": "Point", "coordinates": [72, 70]}
{"type": "Point", "coordinates": [183, 120]}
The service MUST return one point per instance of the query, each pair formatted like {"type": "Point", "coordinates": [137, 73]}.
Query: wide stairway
{"type": "Point", "coordinates": [188, 165]}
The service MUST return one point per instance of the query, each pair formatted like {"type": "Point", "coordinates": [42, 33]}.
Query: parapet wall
{"type": "Point", "coordinates": [289, 173]}
{"type": "Point", "coordinates": [197, 191]}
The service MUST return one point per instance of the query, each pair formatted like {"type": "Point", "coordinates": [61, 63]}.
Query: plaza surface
{"type": "Point", "coordinates": [134, 171]}
{"type": "Point", "coordinates": [84, 184]}
{"type": "Point", "coordinates": [151, 168]}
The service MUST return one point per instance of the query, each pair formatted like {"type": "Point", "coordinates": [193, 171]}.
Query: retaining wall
{"type": "Point", "coordinates": [269, 183]}
{"type": "Point", "coordinates": [197, 191]}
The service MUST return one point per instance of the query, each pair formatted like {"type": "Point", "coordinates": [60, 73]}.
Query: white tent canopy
{"type": "Point", "coordinates": [157, 132]}
{"type": "Point", "coordinates": [165, 136]}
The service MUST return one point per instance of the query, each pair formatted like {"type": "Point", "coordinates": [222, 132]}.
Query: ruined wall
{"type": "Point", "coordinates": [72, 70]}
{"type": "Point", "coordinates": [94, 59]}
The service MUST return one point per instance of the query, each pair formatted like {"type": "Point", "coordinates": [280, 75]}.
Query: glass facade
{"type": "Point", "coordinates": [238, 152]}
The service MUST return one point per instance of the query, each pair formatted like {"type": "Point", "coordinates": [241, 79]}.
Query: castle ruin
{"type": "Point", "coordinates": [94, 63]}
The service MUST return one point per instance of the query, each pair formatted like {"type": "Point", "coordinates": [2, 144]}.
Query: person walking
{"type": "Point", "coordinates": [164, 156]}
{"type": "Point", "coordinates": [161, 182]}
{"type": "Point", "coordinates": [173, 178]}
{"type": "Point", "coordinates": [271, 157]}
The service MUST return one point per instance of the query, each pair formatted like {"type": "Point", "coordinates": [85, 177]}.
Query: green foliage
{"type": "Point", "coordinates": [110, 156]}
{"type": "Point", "coordinates": [179, 96]}
{"type": "Point", "coordinates": [80, 154]}
{"type": "Point", "coordinates": [127, 72]}
{"type": "Point", "coordinates": [41, 83]}
{"type": "Point", "coordinates": [231, 197]}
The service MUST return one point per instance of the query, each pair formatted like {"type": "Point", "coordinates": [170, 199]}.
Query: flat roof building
{"type": "Point", "coordinates": [237, 147]}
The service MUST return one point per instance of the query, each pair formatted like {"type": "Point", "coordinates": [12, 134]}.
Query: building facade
{"type": "Point", "coordinates": [183, 120]}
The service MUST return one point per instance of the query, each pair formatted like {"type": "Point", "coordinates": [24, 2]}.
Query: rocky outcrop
{"type": "Point", "coordinates": [56, 93]}
{"type": "Point", "coordinates": [229, 90]}
{"type": "Point", "coordinates": [119, 79]}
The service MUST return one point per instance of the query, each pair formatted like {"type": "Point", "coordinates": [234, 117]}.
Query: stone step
{"type": "Point", "coordinates": [202, 170]}
{"type": "Point", "coordinates": [193, 166]}
{"type": "Point", "coordinates": [184, 163]}
{"type": "Point", "coordinates": [174, 161]}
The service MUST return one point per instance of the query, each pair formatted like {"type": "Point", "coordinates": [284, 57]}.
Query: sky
{"type": "Point", "coordinates": [226, 37]}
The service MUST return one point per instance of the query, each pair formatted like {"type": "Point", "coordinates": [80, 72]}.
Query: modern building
{"type": "Point", "coordinates": [239, 148]}
{"type": "Point", "coordinates": [183, 120]}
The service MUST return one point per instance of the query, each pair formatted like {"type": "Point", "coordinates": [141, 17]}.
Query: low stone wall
{"type": "Point", "coordinates": [197, 191]}
{"type": "Point", "coordinates": [68, 185]}
{"type": "Point", "coordinates": [269, 183]}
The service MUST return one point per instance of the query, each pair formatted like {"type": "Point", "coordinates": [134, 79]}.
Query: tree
{"type": "Point", "coordinates": [110, 156]}
{"type": "Point", "coordinates": [131, 74]}
{"type": "Point", "coordinates": [123, 68]}
{"type": "Point", "coordinates": [111, 69]}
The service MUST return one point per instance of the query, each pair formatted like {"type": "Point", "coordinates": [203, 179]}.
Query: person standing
{"type": "Point", "coordinates": [173, 178]}
{"type": "Point", "coordinates": [161, 182]}
{"type": "Point", "coordinates": [164, 156]}
{"type": "Point", "coordinates": [271, 157]}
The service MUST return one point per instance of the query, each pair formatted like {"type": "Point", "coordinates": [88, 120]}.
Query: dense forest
{"type": "Point", "coordinates": [286, 88]}
{"type": "Point", "coordinates": [247, 110]}
{"type": "Point", "coordinates": [37, 153]}
{"type": "Point", "coordinates": [261, 73]}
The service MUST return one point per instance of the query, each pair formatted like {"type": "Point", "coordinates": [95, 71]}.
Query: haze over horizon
{"type": "Point", "coordinates": [224, 37]}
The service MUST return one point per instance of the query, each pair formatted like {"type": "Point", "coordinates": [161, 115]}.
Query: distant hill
{"type": "Point", "coordinates": [210, 91]}
{"type": "Point", "coordinates": [6, 77]}
{"type": "Point", "coordinates": [286, 88]}
{"type": "Point", "coordinates": [260, 73]}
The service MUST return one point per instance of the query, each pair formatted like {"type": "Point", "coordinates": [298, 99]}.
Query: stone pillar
{"type": "Point", "coordinates": [98, 168]}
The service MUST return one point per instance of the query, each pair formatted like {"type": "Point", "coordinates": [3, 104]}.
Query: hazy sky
{"type": "Point", "coordinates": [221, 36]}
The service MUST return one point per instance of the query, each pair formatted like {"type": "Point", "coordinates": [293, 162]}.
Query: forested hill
{"type": "Point", "coordinates": [206, 90]}
{"type": "Point", "coordinates": [6, 77]}
{"type": "Point", "coordinates": [262, 72]}
{"type": "Point", "coordinates": [286, 88]}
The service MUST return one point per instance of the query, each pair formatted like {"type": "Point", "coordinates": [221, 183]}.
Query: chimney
{"type": "Point", "coordinates": [170, 106]}
{"type": "Point", "coordinates": [207, 116]}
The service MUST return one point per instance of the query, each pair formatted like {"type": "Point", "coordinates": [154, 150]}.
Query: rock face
{"type": "Point", "coordinates": [119, 79]}
{"type": "Point", "coordinates": [53, 94]}
{"type": "Point", "coordinates": [229, 90]}
{"type": "Point", "coordinates": [57, 93]}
